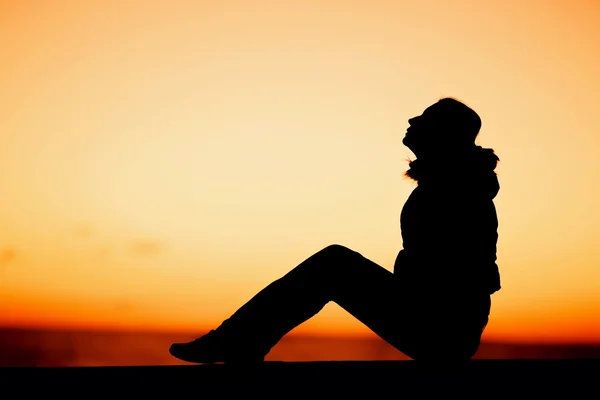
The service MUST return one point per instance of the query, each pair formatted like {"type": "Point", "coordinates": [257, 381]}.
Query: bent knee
{"type": "Point", "coordinates": [337, 252]}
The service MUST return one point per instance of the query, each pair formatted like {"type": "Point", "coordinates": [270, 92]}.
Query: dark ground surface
{"type": "Point", "coordinates": [531, 379]}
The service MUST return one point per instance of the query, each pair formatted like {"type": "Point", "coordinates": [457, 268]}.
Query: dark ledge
{"type": "Point", "coordinates": [325, 379]}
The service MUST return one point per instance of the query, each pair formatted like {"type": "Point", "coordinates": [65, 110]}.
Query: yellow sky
{"type": "Point", "coordinates": [161, 161]}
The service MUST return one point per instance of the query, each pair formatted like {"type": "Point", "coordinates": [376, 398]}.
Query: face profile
{"type": "Point", "coordinates": [420, 128]}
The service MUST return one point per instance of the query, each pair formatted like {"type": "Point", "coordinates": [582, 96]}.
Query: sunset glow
{"type": "Point", "coordinates": [162, 161]}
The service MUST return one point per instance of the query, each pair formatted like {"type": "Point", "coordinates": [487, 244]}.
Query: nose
{"type": "Point", "coordinates": [412, 121]}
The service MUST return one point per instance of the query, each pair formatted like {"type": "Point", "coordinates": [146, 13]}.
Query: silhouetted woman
{"type": "Point", "coordinates": [436, 303]}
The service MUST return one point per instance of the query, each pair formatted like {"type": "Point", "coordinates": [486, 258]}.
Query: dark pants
{"type": "Point", "coordinates": [422, 325]}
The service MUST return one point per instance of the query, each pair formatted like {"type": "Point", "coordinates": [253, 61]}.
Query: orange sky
{"type": "Point", "coordinates": [162, 161]}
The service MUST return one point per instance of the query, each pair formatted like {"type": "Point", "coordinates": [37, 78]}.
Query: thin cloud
{"type": "Point", "coordinates": [84, 230]}
{"type": "Point", "coordinates": [147, 247]}
{"type": "Point", "coordinates": [7, 256]}
{"type": "Point", "coordinates": [124, 306]}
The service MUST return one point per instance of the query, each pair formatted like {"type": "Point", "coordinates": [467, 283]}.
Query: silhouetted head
{"type": "Point", "coordinates": [446, 126]}
{"type": "Point", "coordinates": [443, 139]}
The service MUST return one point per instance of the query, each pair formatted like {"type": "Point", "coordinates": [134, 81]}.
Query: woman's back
{"type": "Point", "coordinates": [450, 227]}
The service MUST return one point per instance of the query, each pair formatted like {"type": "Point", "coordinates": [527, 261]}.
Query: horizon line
{"type": "Point", "coordinates": [299, 335]}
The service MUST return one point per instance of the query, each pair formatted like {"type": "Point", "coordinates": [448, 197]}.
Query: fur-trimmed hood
{"type": "Point", "coordinates": [473, 168]}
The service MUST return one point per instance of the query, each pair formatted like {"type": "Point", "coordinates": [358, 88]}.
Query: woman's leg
{"type": "Point", "coordinates": [361, 287]}
{"type": "Point", "coordinates": [366, 290]}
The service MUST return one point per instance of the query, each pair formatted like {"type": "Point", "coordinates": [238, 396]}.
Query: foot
{"type": "Point", "coordinates": [211, 348]}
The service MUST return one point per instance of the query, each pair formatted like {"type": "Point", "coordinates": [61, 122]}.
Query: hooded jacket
{"type": "Point", "coordinates": [449, 225]}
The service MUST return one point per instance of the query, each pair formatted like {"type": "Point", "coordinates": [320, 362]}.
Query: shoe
{"type": "Point", "coordinates": [211, 348]}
